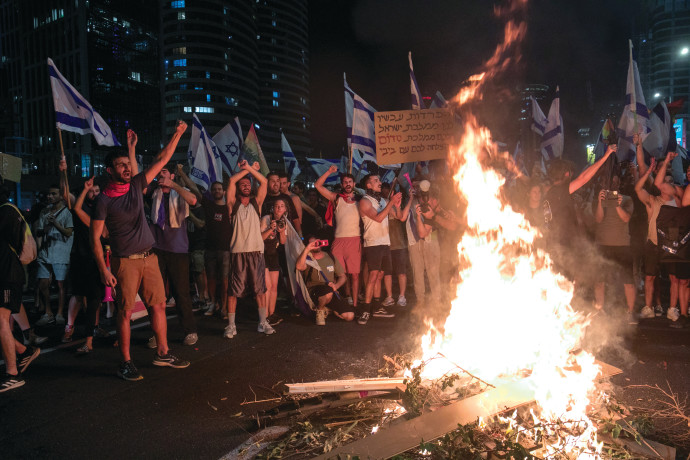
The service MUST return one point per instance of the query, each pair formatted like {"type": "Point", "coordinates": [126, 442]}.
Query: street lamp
{"type": "Point", "coordinates": [657, 95]}
{"type": "Point", "coordinates": [684, 51]}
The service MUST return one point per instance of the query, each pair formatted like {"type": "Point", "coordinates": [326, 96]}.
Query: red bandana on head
{"type": "Point", "coordinates": [114, 190]}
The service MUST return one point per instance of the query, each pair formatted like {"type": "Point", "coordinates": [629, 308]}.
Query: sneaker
{"type": "Point", "coordinates": [45, 320]}
{"type": "Point", "coordinates": [210, 309]}
{"type": "Point", "coordinates": [320, 317]}
{"type": "Point", "coordinates": [152, 343]}
{"type": "Point", "coordinates": [673, 314]}
{"type": "Point", "coordinates": [100, 333]}
{"type": "Point", "coordinates": [59, 320]}
{"type": "Point", "coordinates": [402, 301]}
{"type": "Point", "coordinates": [35, 339]}
{"type": "Point", "coordinates": [191, 339]}
{"type": "Point", "coordinates": [196, 306]}
{"type": "Point", "coordinates": [647, 312]}
{"type": "Point", "coordinates": [274, 320]}
{"type": "Point", "coordinates": [10, 382]}
{"type": "Point", "coordinates": [67, 336]}
{"type": "Point", "coordinates": [659, 310]}
{"type": "Point", "coordinates": [230, 331]}
{"type": "Point", "coordinates": [170, 303]}
{"type": "Point", "coordinates": [265, 328]}
{"type": "Point", "coordinates": [632, 318]}
{"type": "Point", "coordinates": [363, 318]}
{"type": "Point", "coordinates": [680, 323]}
{"type": "Point", "coordinates": [170, 361]}
{"type": "Point", "coordinates": [388, 301]}
{"type": "Point", "coordinates": [350, 301]}
{"type": "Point", "coordinates": [128, 371]}
{"type": "Point", "coordinates": [383, 313]}
{"type": "Point", "coordinates": [24, 359]}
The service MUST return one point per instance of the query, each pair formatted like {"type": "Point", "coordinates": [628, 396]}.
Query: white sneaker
{"type": "Point", "coordinates": [266, 328]}
{"type": "Point", "coordinates": [647, 312]}
{"type": "Point", "coordinates": [210, 309]}
{"type": "Point", "coordinates": [230, 331]}
{"type": "Point", "coordinates": [152, 343]}
{"type": "Point", "coordinates": [388, 301]}
{"type": "Point", "coordinates": [349, 301]}
{"type": "Point", "coordinates": [320, 317]}
{"type": "Point", "coordinates": [171, 302]}
{"type": "Point", "coordinates": [673, 314]}
{"type": "Point", "coordinates": [402, 301]}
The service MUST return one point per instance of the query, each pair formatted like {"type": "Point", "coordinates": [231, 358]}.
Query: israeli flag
{"type": "Point", "coordinates": [363, 136]}
{"type": "Point", "coordinates": [349, 110]}
{"type": "Point", "coordinates": [204, 157]}
{"type": "Point", "coordinates": [538, 123]}
{"type": "Point", "coordinates": [321, 165]}
{"type": "Point", "coordinates": [74, 113]}
{"type": "Point", "coordinates": [229, 143]}
{"type": "Point", "coordinates": [657, 141]}
{"type": "Point", "coordinates": [635, 118]}
{"type": "Point", "coordinates": [438, 101]}
{"type": "Point", "coordinates": [416, 95]}
{"type": "Point", "coordinates": [552, 141]}
{"type": "Point", "coordinates": [291, 164]}
{"type": "Point", "coordinates": [388, 176]}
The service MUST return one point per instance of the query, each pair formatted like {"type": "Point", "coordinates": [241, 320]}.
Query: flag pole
{"type": "Point", "coordinates": [633, 98]}
{"type": "Point", "coordinates": [62, 150]}
{"type": "Point", "coordinates": [350, 168]}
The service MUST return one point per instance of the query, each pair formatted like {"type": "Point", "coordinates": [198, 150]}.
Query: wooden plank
{"type": "Point", "coordinates": [336, 386]}
{"type": "Point", "coordinates": [664, 452]}
{"type": "Point", "coordinates": [399, 438]}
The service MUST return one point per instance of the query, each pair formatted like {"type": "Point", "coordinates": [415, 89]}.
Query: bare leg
{"type": "Point", "coordinates": [684, 295]}
{"type": "Point", "coordinates": [272, 290]}
{"type": "Point", "coordinates": [22, 319]}
{"type": "Point", "coordinates": [630, 293]}
{"type": "Point", "coordinates": [124, 333]}
{"type": "Point", "coordinates": [649, 290]}
{"type": "Point", "coordinates": [61, 296]}
{"type": "Point", "coordinates": [7, 342]}
{"type": "Point", "coordinates": [159, 323]}
{"type": "Point", "coordinates": [355, 288]}
{"type": "Point", "coordinates": [388, 283]}
{"type": "Point", "coordinates": [402, 281]}
{"type": "Point", "coordinates": [599, 290]}
{"type": "Point", "coordinates": [224, 296]}
{"type": "Point", "coordinates": [674, 291]}
{"type": "Point", "coordinates": [371, 284]}
{"type": "Point", "coordinates": [75, 304]}
{"type": "Point", "coordinates": [44, 289]}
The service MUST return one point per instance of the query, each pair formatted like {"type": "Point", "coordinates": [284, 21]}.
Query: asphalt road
{"type": "Point", "coordinates": [76, 407]}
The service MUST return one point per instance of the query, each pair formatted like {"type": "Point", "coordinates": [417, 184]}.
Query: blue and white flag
{"type": "Point", "coordinates": [388, 176]}
{"type": "Point", "coordinates": [438, 102]}
{"type": "Point", "coordinates": [657, 141]}
{"type": "Point", "coordinates": [321, 165]}
{"type": "Point", "coordinates": [229, 143]}
{"type": "Point", "coordinates": [519, 159]}
{"type": "Point", "coordinates": [349, 110]}
{"type": "Point", "coordinates": [552, 140]}
{"type": "Point", "coordinates": [363, 136]}
{"type": "Point", "coordinates": [635, 118]}
{"type": "Point", "coordinates": [204, 160]}
{"type": "Point", "coordinates": [416, 95]}
{"type": "Point", "coordinates": [538, 123]}
{"type": "Point", "coordinates": [291, 164]}
{"type": "Point", "coordinates": [74, 113]}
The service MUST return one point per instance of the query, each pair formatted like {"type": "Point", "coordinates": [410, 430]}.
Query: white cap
{"type": "Point", "coordinates": [424, 185]}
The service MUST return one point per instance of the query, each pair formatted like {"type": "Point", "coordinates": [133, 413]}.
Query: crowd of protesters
{"type": "Point", "coordinates": [345, 249]}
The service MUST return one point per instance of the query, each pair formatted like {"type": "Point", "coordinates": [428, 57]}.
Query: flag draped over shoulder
{"type": "Point", "coordinates": [416, 95]}
{"type": "Point", "coordinates": [635, 118]}
{"type": "Point", "coordinates": [291, 164]}
{"type": "Point", "coordinates": [204, 160]}
{"type": "Point", "coordinates": [293, 249]}
{"type": "Point", "coordinates": [229, 143]}
{"type": "Point", "coordinates": [74, 113]}
{"type": "Point", "coordinates": [251, 150]}
{"type": "Point", "coordinates": [552, 140]}
{"type": "Point", "coordinates": [538, 123]}
{"type": "Point", "coordinates": [321, 165]}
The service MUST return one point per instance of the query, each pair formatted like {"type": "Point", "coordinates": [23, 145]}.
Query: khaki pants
{"type": "Point", "coordinates": [425, 255]}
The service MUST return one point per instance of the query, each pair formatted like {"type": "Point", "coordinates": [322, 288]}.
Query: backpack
{"type": "Point", "coordinates": [28, 250]}
{"type": "Point", "coordinates": [673, 232]}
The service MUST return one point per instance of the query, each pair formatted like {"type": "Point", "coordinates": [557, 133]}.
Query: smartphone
{"type": "Point", "coordinates": [321, 243]}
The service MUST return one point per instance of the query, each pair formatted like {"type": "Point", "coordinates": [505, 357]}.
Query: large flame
{"type": "Point", "coordinates": [511, 315]}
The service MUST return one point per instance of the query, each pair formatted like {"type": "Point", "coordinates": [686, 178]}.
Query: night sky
{"type": "Point", "coordinates": [574, 44]}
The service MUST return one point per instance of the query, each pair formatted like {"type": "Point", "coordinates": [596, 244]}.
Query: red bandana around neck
{"type": "Point", "coordinates": [113, 190]}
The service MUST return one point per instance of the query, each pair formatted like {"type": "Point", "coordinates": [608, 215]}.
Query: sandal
{"type": "Point", "coordinates": [84, 350]}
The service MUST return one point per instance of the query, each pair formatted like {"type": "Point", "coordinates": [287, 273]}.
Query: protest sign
{"type": "Point", "coordinates": [10, 167]}
{"type": "Point", "coordinates": [413, 135]}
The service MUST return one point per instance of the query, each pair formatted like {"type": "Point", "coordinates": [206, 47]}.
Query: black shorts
{"type": "Point", "coordinates": [621, 257]}
{"type": "Point", "coordinates": [248, 274]}
{"type": "Point", "coordinates": [271, 261]}
{"type": "Point", "coordinates": [85, 279]}
{"type": "Point", "coordinates": [680, 270]}
{"type": "Point", "coordinates": [399, 260]}
{"type": "Point", "coordinates": [337, 304]}
{"type": "Point", "coordinates": [11, 298]}
{"type": "Point", "coordinates": [378, 258]}
{"type": "Point", "coordinates": [651, 259]}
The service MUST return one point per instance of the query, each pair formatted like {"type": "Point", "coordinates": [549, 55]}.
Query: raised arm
{"type": "Point", "coordinates": [661, 175]}
{"type": "Point", "coordinates": [254, 170]}
{"type": "Point", "coordinates": [64, 184]}
{"type": "Point", "coordinates": [368, 210]}
{"type": "Point", "coordinates": [321, 188]}
{"type": "Point", "coordinates": [187, 182]}
{"type": "Point", "coordinates": [132, 140]}
{"type": "Point", "coordinates": [301, 263]}
{"type": "Point", "coordinates": [599, 211]}
{"type": "Point", "coordinates": [231, 191]}
{"type": "Point", "coordinates": [639, 153]}
{"type": "Point", "coordinates": [186, 195]}
{"type": "Point", "coordinates": [164, 156]}
{"type": "Point", "coordinates": [642, 194]}
{"type": "Point", "coordinates": [586, 175]}
{"type": "Point", "coordinates": [85, 218]}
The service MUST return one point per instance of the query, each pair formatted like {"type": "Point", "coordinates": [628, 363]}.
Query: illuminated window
{"type": "Point", "coordinates": [276, 94]}
{"type": "Point", "coordinates": [177, 4]}
{"type": "Point", "coordinates": [188, 109]}
{"type": "Point", "coordinates": [274, 76]}
{"type": "Point", "coordinates": [276, 103]}
{"type": "Point", "coordinates": [180, 62]}
{"type": "Point", "coordinates": [182, 50]}
{"type": "Point", "coordinates": [208, 74]}
{"type": "Point", "coordinates": [204, 109]}
{"type": "Point", "coordinates": [136, 76]}
{"type": "Point", "coordinates": [208, 98]}
{"type": "Point", "coordinates": [230, 101]}
{"type": "Point", "coordinates": [181, 15]}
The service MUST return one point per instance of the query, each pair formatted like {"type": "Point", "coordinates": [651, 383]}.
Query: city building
{"type": "Point", "coordinates": [108, 51]}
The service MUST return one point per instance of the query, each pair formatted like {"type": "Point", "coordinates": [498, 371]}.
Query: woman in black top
{"type": "Point", "coordinates": [273, 231]}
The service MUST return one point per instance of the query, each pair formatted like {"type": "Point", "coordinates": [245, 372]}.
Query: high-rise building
{"type": "Point", "coordinates": [244, 58]}
{"type": "Point", "coordinates": [663, 52]}
{"type": "Point", "coordinates": [108, 51]}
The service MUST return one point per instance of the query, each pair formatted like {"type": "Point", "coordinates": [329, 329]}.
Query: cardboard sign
{"type": "Point", "coordinates": [10, 167]}
{"type": "Point", "coordinates": [413, 135]}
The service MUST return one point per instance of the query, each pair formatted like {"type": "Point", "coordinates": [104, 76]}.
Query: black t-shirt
{"type": "Point", "coordinates": [81, 245]}
{"type": "Point", "coordinates": [196, 235]}
{"type": "Point", "coordinates": [218, 225]}
{"type": "Point", "coordinates": [267, 207]}
{"type": "Point", "coordinates": [11, 234]}
{"type": "Point", "coordinates": [564, 219]}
